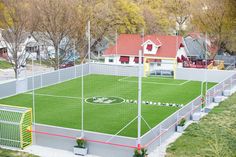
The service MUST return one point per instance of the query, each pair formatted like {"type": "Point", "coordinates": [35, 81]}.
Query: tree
{"type": "Point", "coordinates": [52, 24]}
{"type": "Point", "coordinates": [14, 20]}
{"type": "Point", "coordinates": [217, 18]}
{"type": "Point", "coordinates": [179, 10]}
{"type": "Point", "coordinates": [1, 11]}
{"type": "Point", "coordinates": [156, 17]}
{"type": "Point", "coordinates": [106, 16]}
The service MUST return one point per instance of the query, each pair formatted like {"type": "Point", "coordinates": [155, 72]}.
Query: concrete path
{"type": "Point", "coordinates": [50, 152]}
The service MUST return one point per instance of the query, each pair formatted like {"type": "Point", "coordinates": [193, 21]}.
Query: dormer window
{"type": "Point", "coordinates": [149, 47]}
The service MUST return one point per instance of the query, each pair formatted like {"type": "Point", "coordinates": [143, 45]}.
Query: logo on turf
{"type": "Point", "coordinates": [104, 100]}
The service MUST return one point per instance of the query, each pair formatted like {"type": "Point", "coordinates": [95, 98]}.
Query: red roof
{"type": "Point", "coordinates": [130, 44]}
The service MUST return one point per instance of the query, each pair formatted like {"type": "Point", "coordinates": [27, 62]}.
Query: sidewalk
{"type": "Point", "coordinates": [9, 74]}
{"type": "Point", "coordinates": [50, 152]}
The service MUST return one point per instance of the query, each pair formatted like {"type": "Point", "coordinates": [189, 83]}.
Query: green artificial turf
{"type": "Point", "coordinates": [59, 110]}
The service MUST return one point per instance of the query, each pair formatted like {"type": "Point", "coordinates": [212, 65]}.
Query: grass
{"type": "Point", "coordinates": [5, 65]}
{"type": "Point", "coordinates": [11, 153]}
{"type": "Point", "coordinates": [213, 136]}
{"type": "Point", "coordinates": [66, 112]}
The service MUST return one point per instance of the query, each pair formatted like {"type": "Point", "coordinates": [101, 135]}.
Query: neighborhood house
{"type": "Point", "coordinates": [159, 53]}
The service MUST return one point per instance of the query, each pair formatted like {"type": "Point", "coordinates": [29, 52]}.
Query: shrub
{"type": "Point", "coordinates": [140, 153]}
{"type": "Point", "coordinates": [81, 143]}
{"type": "Point", "coordinates": [182, 122]}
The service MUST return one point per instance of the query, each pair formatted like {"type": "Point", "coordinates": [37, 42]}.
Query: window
{"type": "Point", "coordinates": [158, 62]}
{"type": "Point", "coordinates": [124, 59]}
{"type": "Point", "coordinates": [149, 47]}
{"type": "Point", "coordinates": [136, 60]}
{"type": "Point", "coordinates": [111, 60]}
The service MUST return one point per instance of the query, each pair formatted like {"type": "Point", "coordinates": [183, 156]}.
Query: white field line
{"type": "Point", "coordinates": [169, 84]}
{"type": "Point", "coordinates": [56, 96]}
{"type": "Point", "coordinates": [185, 82]}
{"type": "Point", "coordinates": [124, 78]}
{"type": "Point", "coordinates": [156, 77]}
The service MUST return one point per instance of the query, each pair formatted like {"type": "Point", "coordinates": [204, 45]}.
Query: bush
{"type": "Point", "coordinates": [140, 153]}
{"type": "Point", "coordinates": [182, 122]}
{"type": "Point", "coordinates": [81, 143]}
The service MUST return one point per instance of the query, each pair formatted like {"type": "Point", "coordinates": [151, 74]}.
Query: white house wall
{"type": "Point", "coordinates": [116, 60]}
{"type": "Point", "coordinates": [181, 52]}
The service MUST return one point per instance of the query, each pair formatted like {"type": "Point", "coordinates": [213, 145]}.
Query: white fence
{"type": "Point", "coordinates": [202, 74]}
{"type": "Point", "coordinates": [41, 80]}
{"type": "Point", "coordinates": [166, 128]}
{"type": "Point", "coordinates": [98, 143]}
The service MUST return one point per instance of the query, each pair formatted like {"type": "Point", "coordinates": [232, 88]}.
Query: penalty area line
{"type": "Point", "coordinates": [169, 84]}
{"type": "Point", "coordinates": [56, 96]}
{"type": "Point", "coordinates": [185, 82]}
{"type": "Point", "coordinates": [124, 78]}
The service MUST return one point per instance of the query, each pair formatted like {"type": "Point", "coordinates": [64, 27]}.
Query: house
{"type": "Point", "coordinates": [159, 53]}
{"type": "Point", "coordinates": [198, 49]}
{"type": "Point", "coordinates": [197, 46]}
{"type": "Point", "coordinates": [3, 47]}
{"type": "Point", "coordinates": [28, 46]}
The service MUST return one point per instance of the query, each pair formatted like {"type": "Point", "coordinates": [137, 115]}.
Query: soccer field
{"type": "Point", "coordinates": [109, 102]}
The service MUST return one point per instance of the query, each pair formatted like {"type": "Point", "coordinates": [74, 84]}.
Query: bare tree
{"type": "Point", "coordinates": [15, 21]}
{"type": "Point", "coordinates": [52, 25]}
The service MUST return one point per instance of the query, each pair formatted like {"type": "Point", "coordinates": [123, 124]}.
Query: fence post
{"type": "Point", "coordinates": [160, 130]}
{"type": "Point", "coordinates": [223, 86]}
{"type": "Point", "coordinates": [231, 83]}
{"type": "Point", "coordinates": [192, 108]}
{"type": "Point", "coordinates": [214, 92]}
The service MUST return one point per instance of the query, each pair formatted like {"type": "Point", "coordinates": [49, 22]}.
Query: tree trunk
{"type": "Point", "coordinates": [16, 73]}
{"type": "Point", "coordinates": [57, 59]}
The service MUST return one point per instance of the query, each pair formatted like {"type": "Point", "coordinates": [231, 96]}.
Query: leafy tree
{"type": "Point", "coordinates": [179, 11]}
{"type": "Point", "coordinates": [106, 16]}
{"type": "Point", "coordinates": [217, 18]}
{"type": "Point", "coordinates": [156, 17]}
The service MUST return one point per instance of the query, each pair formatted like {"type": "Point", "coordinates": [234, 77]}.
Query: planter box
{"type": "Point", "coordinates": [207, 110]}
{"type": "Point", "coordinates": [227, 92]}
{"type": "Point", "coordinates": [196, 116]}
{"type": "Point", "coordinates": [80, 151]}
{"type": "Point", "coordinates": [218, 99]}
{"type": "Point", "coordinates": [180, 129]}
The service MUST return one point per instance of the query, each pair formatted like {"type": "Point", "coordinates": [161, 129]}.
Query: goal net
{"type": "Point", "coordinates": [14, 123]}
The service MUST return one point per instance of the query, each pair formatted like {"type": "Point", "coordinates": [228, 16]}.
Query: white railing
{"type": "Point", "coordinates": [166, 128]}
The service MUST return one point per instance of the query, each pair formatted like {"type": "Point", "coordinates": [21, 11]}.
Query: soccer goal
{"type": "Point", "coordinates": [14, 123]}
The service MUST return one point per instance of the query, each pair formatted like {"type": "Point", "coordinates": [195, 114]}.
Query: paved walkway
{"type": "Point", "coordinates": [50, 152]}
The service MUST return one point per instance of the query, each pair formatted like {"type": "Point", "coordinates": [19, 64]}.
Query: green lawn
{"type": "Point", "coordinates": [54, 108]}
{"type": "Point", "coordinates": [5, 65]}
{"type": "Point", "coordinates": [213, 136]}
{"type": "Point", "coordinates": [11, 153]}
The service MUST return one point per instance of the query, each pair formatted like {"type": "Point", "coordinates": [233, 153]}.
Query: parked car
{"type": "Point", "coordinates": [66, 65]}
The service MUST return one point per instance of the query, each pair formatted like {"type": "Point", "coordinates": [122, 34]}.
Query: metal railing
{"type": "Point", "coordinates": [166, 128]}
